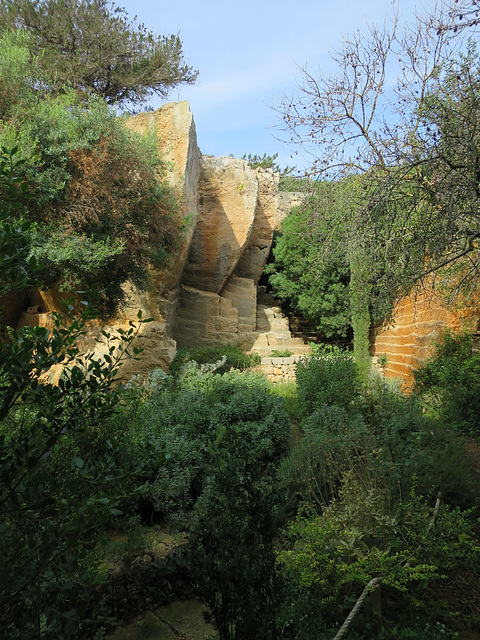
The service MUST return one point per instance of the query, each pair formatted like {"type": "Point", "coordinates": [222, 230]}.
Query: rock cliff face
{"type": "Point", "coordinates": [227, 204]}
{"type": "Point", "coordinates": [208, 290]}
{"type": "Point", "coordinates": [419, 319]}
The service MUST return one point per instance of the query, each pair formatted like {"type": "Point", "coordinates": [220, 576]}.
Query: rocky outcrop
{"type": "Point", "coordinates": [288, 200]}
{"type": "Point", "coordinates": [253, 260]}
{"type": "Point", "coordinates": [233, 236]}
{"type": "Point", "coordinates": [174, 126]}
{"type": "Point", "coordinates": [227, 205]}
{"type": "Point", "coordinates": [208, 291]}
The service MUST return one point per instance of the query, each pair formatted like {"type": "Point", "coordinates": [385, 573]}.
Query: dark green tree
{"type": "Point", "coordinates": [97, 191]}
{"type": "Point", "coordinates": [60, 477]}
{"type": "Point", "coordinates": [313, 282]}
{"type": "Point", "coordinates": [92, 46]}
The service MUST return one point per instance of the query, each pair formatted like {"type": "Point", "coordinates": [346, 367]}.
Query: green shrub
{"type": "Point", "coordinates": [317, 287]}
{"type": "Point", "coordinates": [286, 353]}
{"type": "Point", "coordinates": [232, 534]}
{"type": "Point", "coordinates": [383, 430]}
{"type": "Point", "coordinates": [330, 556]}
{"type": "Point", "coordinates": [449, 382]}
{"type": "Point", "coordinates": [61, 480]}
{"type": "Point", "coordinates": [313, 469]}
{"type": "Point", "coordinates": [411, 443]}
{"type": "Point", "coordinates": [104, 211]}
{"type": "Point", "coordinates": [235, 358]}
{"type": "Point", "coordinates": [177, 435]}
{"type": "Point", "coordinates": [288, 391]}
{"type": "Point", "coordinates": [208, 451]}
{"type": "Point", "coordinates": [326, 379]}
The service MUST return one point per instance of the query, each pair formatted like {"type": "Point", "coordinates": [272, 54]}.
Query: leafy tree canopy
{"type": "Point", "coordinates": [412, 146]}
{"type": "Point", "coordinates": [313, 283]}
{"type": "Point", "coordinates": [92, 46]}
{"type": "Point", "coordinates": [96, 190]}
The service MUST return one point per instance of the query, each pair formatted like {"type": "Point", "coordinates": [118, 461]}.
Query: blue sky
{"type": "Point", "coordinates": [248, 55]}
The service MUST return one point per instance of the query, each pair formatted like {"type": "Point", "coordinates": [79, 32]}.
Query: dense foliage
{"type": "Point", "coordinates": [98, 196]}
{"type": "Point", "coordinates": [209, 450]}
{"type": "Point", "coordinates": [281, 530]}
{"type": "Point", "coordinates": [92, 46]}
{"type": "Point", "coordinates": [410, 145]}
{"type": "Point", "coordinates": [448, 383]}
{"type": "Point", "coordinates": [362, 483]}
{"type": "Point", "coordinates": [310, 283]}
{"type": "Point", "coordinates": [207, 453]}
{"type": "Point", "coordinates": [61, 481]}
{"type": "Point", "coordinates": [230, 356]}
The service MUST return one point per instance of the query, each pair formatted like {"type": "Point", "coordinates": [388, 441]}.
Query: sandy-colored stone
{"type": "Point", "coordinates": [195, 316]}
{"type": "Point", "coordinates": [254, 258]}
{"type": "Point", "coordinates": [242, 294]}
{"type": "Point", "coordinates": [228, 191]}
{"type": "Point", "coordinates": [11, 308]}
{"type": "Point", "coordinates": [408, 340]}
{"type": "Point", "coordinates": [177, 143]}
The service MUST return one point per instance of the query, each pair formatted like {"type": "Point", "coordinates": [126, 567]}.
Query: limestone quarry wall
{"type": "Point", "coordinates": [237, 213]}
{"type": "Point", "coordinates": [419, 319]}
{"type": "Point", "coordinates": [208, 292]}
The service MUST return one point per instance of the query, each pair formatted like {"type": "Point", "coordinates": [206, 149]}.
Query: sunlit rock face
{"type": "Point", "coordinates": [174, 127]}
{"type": "Point", "coordinates": [237, 214]}
{"type": "Point", "coordinates": [227, 203]}
{"type": "Point", "coordinates": [418, 321]}
{"type": "Point", "coordinates": [267, 219]}
{"type": "Point", "coordinates": [207, 292]}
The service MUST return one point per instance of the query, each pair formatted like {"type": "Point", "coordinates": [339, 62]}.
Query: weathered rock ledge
{"type": "Point", "coordinates": [208, 290]}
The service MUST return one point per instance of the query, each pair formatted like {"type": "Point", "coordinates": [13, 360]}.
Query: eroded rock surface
{"type": "Point", "coordinates": [227, 203]}
{"type": "Point", "coordinates": [208, 290]}
{"type": "Point", "coordinates": [253, 260]}
{"type": "Point", "coordinates": [177, 142]}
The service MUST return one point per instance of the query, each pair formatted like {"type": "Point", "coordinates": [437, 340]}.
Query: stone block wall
{"type": "Point", "coordinates": [279, 369]}
{"type": "Point", "coordinates": [419, 319]}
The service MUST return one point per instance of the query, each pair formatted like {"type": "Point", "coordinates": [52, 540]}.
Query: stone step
{"type": "Point", "coordinates": [265, 343]}
{"type": "Point", "coordinates": [271, 319]}
{"type": "Point", "coordinates": [272, 329]}
{"type": "Point", "coordinates": [239, 285]}
{"type": "Point", "coordinates": [242, 295]}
